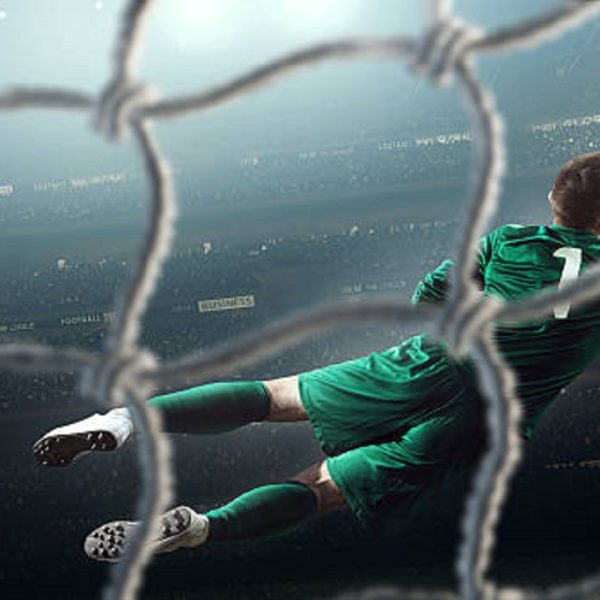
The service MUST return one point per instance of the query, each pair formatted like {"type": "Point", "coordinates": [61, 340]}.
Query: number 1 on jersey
{"type": "Point", "coordinates": [570, 272]}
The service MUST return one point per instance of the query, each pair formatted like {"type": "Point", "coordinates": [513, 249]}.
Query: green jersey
{"type": "Point", "coordinates": [516, 261]}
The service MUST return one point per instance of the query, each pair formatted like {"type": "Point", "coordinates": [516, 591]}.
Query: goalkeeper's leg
{"type": "Point", "coordinates": [211, 408]}
{"type": "Point", "coordinates": [264, 511]}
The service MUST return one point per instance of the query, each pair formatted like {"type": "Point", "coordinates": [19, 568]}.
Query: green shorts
{"type": "Point", "coordinates": [394, 423]}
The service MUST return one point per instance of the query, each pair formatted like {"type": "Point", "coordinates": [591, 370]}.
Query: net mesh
{"type": "Point", "coordinates": [124, 373]}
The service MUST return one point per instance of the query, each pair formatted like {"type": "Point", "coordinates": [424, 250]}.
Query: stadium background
{"type": "Point", "coordinates": [345, 180]}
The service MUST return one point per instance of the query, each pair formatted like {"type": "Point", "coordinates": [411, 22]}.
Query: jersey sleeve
{"type": "Point", "coordinates": [434, 286]}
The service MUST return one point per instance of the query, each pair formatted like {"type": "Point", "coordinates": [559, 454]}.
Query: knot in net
{"type": "Point", "coordinates": [120, 105]}
{"type": "Point", "coordinates": [116, 374]}
{"type": "Point", "coordinates": [445, 45]}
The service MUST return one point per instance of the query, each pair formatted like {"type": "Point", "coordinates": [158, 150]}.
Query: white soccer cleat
{"type": "Point", "coordinates": [101, 433]}
{"type": "Point", "coordinates": [181, 527]}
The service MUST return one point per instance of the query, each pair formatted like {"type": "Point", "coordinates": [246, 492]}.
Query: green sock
{"type": "Point", "coordinates": [213, 408]}
{"type": "Point", "coordinates": [267, 510]}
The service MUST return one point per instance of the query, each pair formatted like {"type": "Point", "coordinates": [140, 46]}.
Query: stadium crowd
{"type": "Point", "coordinates": [360, 259]}
{"type": "Point", "coordinates": [276, 178]}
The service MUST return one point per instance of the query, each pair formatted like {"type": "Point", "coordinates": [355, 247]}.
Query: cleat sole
{"type": "Point", "coordinates": [61, 450]}
{"type": "Point", "coordinates": [179, 528]}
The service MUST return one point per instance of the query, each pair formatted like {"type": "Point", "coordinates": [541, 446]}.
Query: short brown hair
{"type": "Point", "coordinates": [575, 198]}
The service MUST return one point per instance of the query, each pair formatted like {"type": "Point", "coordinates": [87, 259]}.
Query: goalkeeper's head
{"type": "Point", "coordinates": [575, 195]}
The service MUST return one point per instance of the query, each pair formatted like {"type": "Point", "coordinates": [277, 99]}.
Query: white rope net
{"type": "Point", "coordinates": [126, 374]}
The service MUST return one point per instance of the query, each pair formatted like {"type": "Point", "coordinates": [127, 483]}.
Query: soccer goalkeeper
{"type": "Point", "coordinates": [393, 423]}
